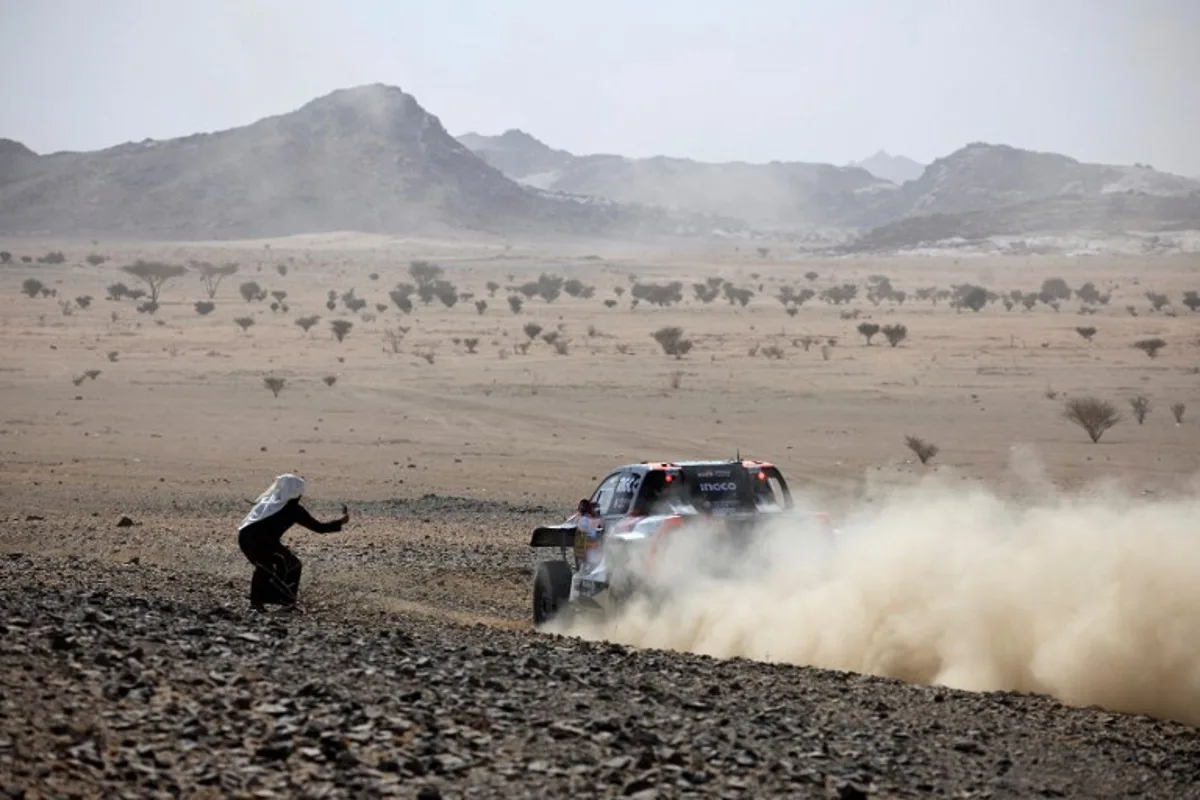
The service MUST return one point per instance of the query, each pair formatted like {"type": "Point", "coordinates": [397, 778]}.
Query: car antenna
{"type": "Point", "coordinates": [738, 457]}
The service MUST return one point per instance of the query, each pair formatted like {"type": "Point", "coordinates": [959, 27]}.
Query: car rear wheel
{"type": "Point", "coordinates": [551, 590]}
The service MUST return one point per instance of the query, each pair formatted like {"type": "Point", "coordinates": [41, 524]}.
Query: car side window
{"type": "Point", "coordinates": [602, 499]}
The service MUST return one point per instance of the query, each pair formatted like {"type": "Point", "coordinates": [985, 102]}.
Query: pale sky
{"type": "Point", "coordinates": [1115, 81]}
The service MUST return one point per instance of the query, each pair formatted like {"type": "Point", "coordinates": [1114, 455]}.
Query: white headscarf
{"type": "Point", "coordinates": [285, 488]}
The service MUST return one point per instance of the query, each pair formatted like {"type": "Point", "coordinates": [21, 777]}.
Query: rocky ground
{"type": "Point", "coordinates": [127, 680]}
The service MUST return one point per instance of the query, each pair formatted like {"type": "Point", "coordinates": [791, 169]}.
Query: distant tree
{"type": "Point", "coordinates": [671, 340]}
{"type": "Point", "coordinates": [1141, 407]}
{"type": "Point", "coordinates": [32, 287]}
{"type": "Point", "coordinates": [1086, 332]}
{"type": "Point", "coordinates": [205, 307]}
{"type": "Point", "coordinates": [922, 449]}
{"type": "Point", "coordinates": [5, 256]}
{"type": "Point", "coordinates": [211, 275]}
{"type": "Point", "coordinates": [895, 334]}
{"type": "Point", "coordinates": [515, 302]}
{"type": "Point", "coordinates": [492, 288]}
{"type": "Point", "coordinates": [116, 291]}
{"type": "Point", "coordinates": [1177, 410]}
{"type": "Point", "coordinates": [867, 330]}
{"type": "Point", "coordinates": [154, 274]}
{"type": "Point", "coordinates": [471, 342]}
{"type": "Point", "coordinates": [53, 257]}
{"type": "Point", "coordinates": [1095, 416]}
{"type": "Point", "coordinates": [1158, 300]}
{"type": "Point", "coordinates": [1055, 289]}
{"type": "Point", "coordinates": [83, 301]}
{"type": "Point", "coordinates": [1150, 346]}
{"type": "Point", "coordinates": [251, 292]}
{"type": "Point", "coordinates": [244, 323]}
{"type": "Point", "coordinates": [341, 327]}
{"type": "Point", "coordinates": [424, 271]}
{"type": "Point", "coordinates": [481, 306]}
{"type": "Point", "coordinates": [532, 329]}
{"type": "Point", "coordinates": [305, 323]}
{"type": "Point", "coordinates": [95, 259]}
{"type": "Point", "coordinates": [279, 295]}
{"type": "Point", "coordinates": [274, 384]}
{"type": "Point", "coordinates": [1191, 300]}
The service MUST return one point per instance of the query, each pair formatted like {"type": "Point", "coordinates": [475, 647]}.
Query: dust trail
{"type": "Point", "coordinates": [1093, 598]}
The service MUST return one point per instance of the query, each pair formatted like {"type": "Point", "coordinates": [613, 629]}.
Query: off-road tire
{"type": "Point", "coordinates": [551, 590]}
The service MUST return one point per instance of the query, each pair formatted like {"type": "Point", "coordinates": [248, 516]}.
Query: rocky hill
{"type": "Point", "coordinates": [776, 195]}
{"type": "Point", "coordinates": [368, 158]}
{"type": "Point", "coordinates": [896, 169]}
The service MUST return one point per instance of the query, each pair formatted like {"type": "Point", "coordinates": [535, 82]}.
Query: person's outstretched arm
{"type": "Point", "coordinates": [307, 520]}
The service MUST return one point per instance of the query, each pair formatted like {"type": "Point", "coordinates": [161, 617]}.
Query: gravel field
{"type": "Point", "coordinates": [135, 681]}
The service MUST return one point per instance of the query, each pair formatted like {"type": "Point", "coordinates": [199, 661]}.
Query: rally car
{"type": "Point", "coordinates": [610, 549]}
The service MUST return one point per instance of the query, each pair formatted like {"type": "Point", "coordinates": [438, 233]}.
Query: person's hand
{"type": "Point", "coordinates": [345, 515]}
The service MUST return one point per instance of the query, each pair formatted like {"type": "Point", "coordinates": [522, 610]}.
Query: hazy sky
{"type": "Point", "coordinates": [758, 80]}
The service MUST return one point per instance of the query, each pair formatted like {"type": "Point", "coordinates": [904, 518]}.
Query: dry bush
{"type": "Point", "coordinates": [532, 329]}
{"type": "Point", "coordinates": [521, 347]}
{"type": "Point", "coordinates": [1191, 299]}
{"type": "Point", "coordinates": [1086, 332]}
{"type": "Point", "coordinates": [922, 449]}
{"type": "Point", "coordinates": [1150, 346]}
{"type": "Point", "coordinates": [32, 287]}
{"type": "Point", "coordinates": [471, 342]}
{"type": "Point", "coordinates": [773, 352]}
{"type": "Point", "coordinates": [251, 292]}
{"type": "Point", "coordinates": [1177, 411]}
{"type": "Point", "coordinates": [329, 380]}
{"type": "Point", "coordinates": [1157, 300]}
{"type": "Point", "coordinates": [66, 307]}
{"type": "Point", "coordinates": [671, 340]}
{"type": "Point", "coordinates": [805, 341]}
{"type": "Point", "coordinates": [675, 379]}
{"type": "Point", "coordinates": [481, 306]}
{"type": "Point", "coordinates": [155, 274]}
{"type": "Point", "coordinates": [1095, 416]}
{"type": "Point", "coordinates": [393, 338]}
{"type": "Point", "coordinates": [244, 323]}
{"type": "Point", "coordinates": [550, 337]}
{"type": "Point", "coordinates": [895, 334]}
{"type": "Point", "coordinates": [274, 384]}
{"type": "Point", "coordinates": [205, 307]}
{"type": "Point", "coordinates": [624, 349]}
{"type": "Point", "coordinates": [428, 355]}
{"type": "Point", "coordinates": [113, 355]}
{"type": "Point", "coordinates": [561, 346]}
{"type": "Point", "coordinates": [1141, 407]}
{"type": "Point", "coordinates": [83, 301]}
{"type": "Point", "coordinates": [340, 328]}
{"type": "Point", "coordinates": [95, 259]}
{"type": "Point", "coordinates": [515, 302]}
{"type": "Point", "coordinates": [306, 323]}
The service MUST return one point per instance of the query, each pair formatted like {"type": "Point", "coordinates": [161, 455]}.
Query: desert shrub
{"type": "Point", "coordinates": [969, 296]}
{"type": "Point", "coordinates": [895, 334]}
{"type": "Point", "coordinates": [352, 301]}
{"type": "Point", "coordinates": [560, 345]}
{"type": "Point", "coordinates": [773, 352]}
{"type": "Point", "coordinates": [66, 307]}
{"type": "Point", "coordinates": [252, 292]}
{"type": "Point", "coordinates": [53, 257]}
{"type": "Point", "coordinates": [155, 274]}
{"type": "Point", "coordinates": [393, 338]}
{"type": "Point", "coordinates": [91, 374]}
{"type": "Point", "coordinates": [922, 449]}
{"type": "Point", "coordinates": [471, 342]}
{"type": "Point", "coordinates": [736, 295]}
{"type": "Point", "coordinates": [704, 292]}
{"type": "Point", "coordinates": [205, 307]}
{"type": "Point", "coordinates": [610, 303]}
{"type": "Point", "coordinates": [662, 295]}
{"type": "Point", "coordinates": [148, 307]}
{"type": "Point", "coordinates": [245, 323]}
{"type": "Point", "coordinates": [1191, 300]}
{"type": "Point", "coordinates": [1177, 411]}
{"type": "Point", "coordinates": [306, 323]}
{"type": "Point", "coordinates": [1086, 332]}
{"type": "Point", "coordinates": [329, 380]}
{"type": "Point", "coordinates": [1089, 294]}
{"type": "Point", "coordinates": [1157, 300]}
{"type": "Point", "coordinates": [532, 329]}
{"type": "Point", "coordinates": [1055, 289]}
{"type": "Point", "coordinates": [577, 288]}
{"type": "Point", "coordinates": [116, 291]}
{"type": "Point", "coordinates": [868, 330]}
{"type": "Point", "coordinates": [671, 340]}
{"type": "Point", "coordinates": [789, 296]}
{"type": "Point", "coordinates": [274, 384]}
{"type": "Point", "coordinates": [1150, 346]}
{"type": "Point", "coordinates": [492, 287]}
{"type": "Point", "coordinates": [374, 276]}
{"type": "Point", "coordinates": [481, 306]}
{"type": "Point", "coordinates": [340, 328]}
{"type": "Point", "coordinates": [550, 337]}
{"type": "Point", "coordinates": [282, 269]}
{"type": "Point", "coordinates": [95, 259]}
{"type": "Point", "coordinates": [113, 355]}
{"type": "Point", "coordinates": [840, 295]}
{"type": "Point", "coordinates": [424, 271]}
{"type": "Point", "coordinates": [5, 256]}
{"type": "Point", "coordinates": [32, 287]}
{"type": "Point", "coordinates": [427, 354]}
{"type": "Point", "coordinates": [1141, 407]}
{"type": "Point", "coordinates": [442, 290]}
{"type": "Point", "coordinates": [812, 276]}
{"type": "Point", "coordinates": [1095, 416]}
{"type": "Point", "coordinates": [402, 297]}
{"type": "Point", "coordinates": [515, 302]}
{"type": "Point", "coordinates": [26, 259]}
{"type": "Point", "coordinates": [279, 295]}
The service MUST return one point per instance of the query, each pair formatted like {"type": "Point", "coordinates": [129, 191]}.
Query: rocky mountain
{"type": "Point", "coordinates": [368, 158]}
{"type": "Point", "coordinates": [776, 195]}
{"type": "Point", "coordinates": [896, 169]}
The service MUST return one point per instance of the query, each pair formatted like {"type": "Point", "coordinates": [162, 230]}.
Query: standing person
{"type": "Point", "coordinates": [276, 568]}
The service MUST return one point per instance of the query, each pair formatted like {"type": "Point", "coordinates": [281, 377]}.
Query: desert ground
{"type": "Point", "coordinates": [414, 651]}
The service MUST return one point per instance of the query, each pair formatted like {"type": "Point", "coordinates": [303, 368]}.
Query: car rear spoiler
{"type": "Point", "coordinates": [562, 535]}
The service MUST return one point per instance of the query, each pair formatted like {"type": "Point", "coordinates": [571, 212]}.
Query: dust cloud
{"type": "Point", "coordinates": [1092, 597]}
